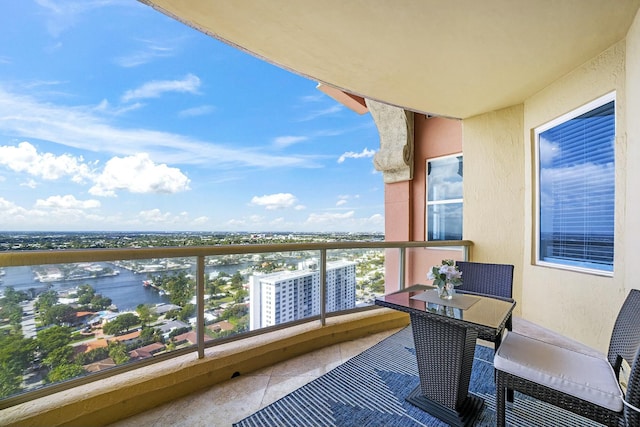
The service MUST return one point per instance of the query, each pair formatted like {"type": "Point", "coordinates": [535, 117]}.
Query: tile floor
{"type": "Point", "coordinates": [233, 400]}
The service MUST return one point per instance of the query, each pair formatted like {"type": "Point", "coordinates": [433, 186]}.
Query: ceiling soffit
{"type": "Point", "coordinates": [456, 58]}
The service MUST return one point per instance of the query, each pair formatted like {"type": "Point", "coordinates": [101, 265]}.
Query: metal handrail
{"type": "Point", "coordinates": [62, 256]}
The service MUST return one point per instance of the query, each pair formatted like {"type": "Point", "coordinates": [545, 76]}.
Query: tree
{"type": "Point", "coordinates": [118, 352]}
{"type": "Point", "coordinates": [240, 295]}
{"type": "Point", "coordinates": [59, 314]}
{"type": "Point", "coordinates": [11, 295]}
{"type": "Point", "coordinates": [59, 356]}
{"type": "Point", "coordinates": [94, 355]}
{"type": "Point", "coordinates": [98, 302]}
{"type": "Point", "coordinates": [236, 280]}
{"type": "Point", "coordinates": [52, 338]}
{"type": "Point", "coordinates": [47, 300]}
{"type": "Point", "coordinates": [149, 335]}
{"type": "Point", "coordinates": [234, 312]}
{"type": "Point", "coordinates": [16, 353]}
{"type": "Point", "coordinates": [186, 312]}
{"type": "Point", "coordinates": [85, 294]}
{"type": "Point", "coordinates": [122, 323]}
{"type": "Point", "coordinates": [13, 312]}
{"type": "Point", "coordinates": [65, 372]}
{"type": "Point", "coordinates": [145, 314]}
{"type": "Point", "coordinates": [179, 287]}
{"type": "Point", "coordinates": [128, 320]}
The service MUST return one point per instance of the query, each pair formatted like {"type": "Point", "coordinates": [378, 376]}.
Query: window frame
{"type": "Point", "coordinates": [446, 202]}
{"type": "Point", "coordinates": [536, 132]}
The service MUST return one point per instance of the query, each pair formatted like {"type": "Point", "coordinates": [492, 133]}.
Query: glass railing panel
{"type": "Point", "coordinates": [419, 261]}
{"type": "Point", "coordinates": [354, 278]}
{"type": "Point", "coordinates": [248, 292]}
{"type": "Point", "coordinates": [64, 321]}
{"type": "Point", "coordinates": [70, 320]}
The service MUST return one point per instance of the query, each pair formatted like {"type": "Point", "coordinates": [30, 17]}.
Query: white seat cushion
{"type": "Point", "coordinates": [585, 377]}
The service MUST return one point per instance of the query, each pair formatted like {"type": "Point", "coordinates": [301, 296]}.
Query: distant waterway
{"type": "Point", "coordinates": [125, 289]}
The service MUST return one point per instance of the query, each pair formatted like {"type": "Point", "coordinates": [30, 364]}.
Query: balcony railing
{"type": "Point", "coordinates": [200, 259]}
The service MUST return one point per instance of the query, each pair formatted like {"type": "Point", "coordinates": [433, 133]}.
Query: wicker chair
{"type": "Point", "coordinates": [487, 279]}
{"type": "Point", "coordinates": [583, 384]}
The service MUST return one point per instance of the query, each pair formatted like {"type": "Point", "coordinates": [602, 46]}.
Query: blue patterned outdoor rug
{"type": "Point", "coordinates": [370, 389]}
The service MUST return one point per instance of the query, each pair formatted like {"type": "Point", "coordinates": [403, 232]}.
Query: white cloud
{"type": "Point", "coordinates": [329, 217]}
{"type": "Point", "coordinates": [274, 201]}
{"type": "Point", "coordinates": [138, 174]}
{"type": "Point", "coordinates": [29, 184]}
{"type": "Point", "coordinates": [55, 213]}
{"type": "Point", "coordinates": [352, 155]}
{"type": "Point", "coordinates": [341, 202]}
{"type": "Point", "coordinates": [150, 51]}
{"type": "Point", "coordinates": [8, 208]}
{"type": "Point", "coordinates": [201, 220]}
{"type": "Point", "coordinates": [376, 219]}
{"type": "Point", "coordinates": [157, 217]}
{"type": "Point", "coordinates": [548, 151]}
{"type": "Point", "coordinates": [67, 202]}
{"type": "Point", "coordinates": [156, 88]}
{"type": "Point", "coordinates": [154, 215]}
{"type": "Point", "coordinates": [321, 113]}
{"type": "Point", "coordinates": [48, 166]}
{"type": "Point", "coordinates": [202, 110]}
{"type": "Point", "coordinates": [84, 128]}
{"type": "Point", "coordinates": [105, 107]}
{"type": "Point", "coordinates": [63, 15]}
{"type": "Point", "coordinates": [300, 207]}
{"type": "Point", "coordinates": [285, 141]}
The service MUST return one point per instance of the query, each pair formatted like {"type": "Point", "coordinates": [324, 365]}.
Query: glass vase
{"type": "Point", "coordinates": [446, 291]}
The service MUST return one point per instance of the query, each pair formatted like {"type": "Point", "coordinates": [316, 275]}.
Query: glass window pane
{"type": "Point", "coordinates": [445, 179]}
{"type": "Point", "coordinates": [577, 190]}
{"type": "Point", "coordinates": [445, 221]}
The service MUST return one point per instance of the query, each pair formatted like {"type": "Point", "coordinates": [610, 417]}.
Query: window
{"type": "Point", "coordinates": [444, 198]}
{"type": "Point", "coordinates": [576, 194]}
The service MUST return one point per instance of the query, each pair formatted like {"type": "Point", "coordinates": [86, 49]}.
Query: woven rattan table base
{"type": "Point", "coordinates": [465, 416]}
{"type": "Point", "coordinates": [444, 352]}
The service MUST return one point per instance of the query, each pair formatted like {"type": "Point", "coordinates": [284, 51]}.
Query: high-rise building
{"type": "Point", "coordinates": [291, 295]}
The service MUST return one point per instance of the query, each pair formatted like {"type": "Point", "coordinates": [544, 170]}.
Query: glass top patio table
{"type": "Point", "coordinates": [477, 311]}
{"type": "Point", "coordinates": [446, 330]}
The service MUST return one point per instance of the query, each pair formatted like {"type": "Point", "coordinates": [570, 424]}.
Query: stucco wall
{"type": "Point", "coordinates": [494, 190]}
{"type": "Point", "coordinates": [580, 305]}
{"type": "Point", "coordinates": [631, 247]}
{"type": "Point", "coordinates": [405, 201]}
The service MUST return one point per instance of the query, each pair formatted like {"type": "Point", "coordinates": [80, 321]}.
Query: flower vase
{"type": "Point", "coordinates": [446, 291]}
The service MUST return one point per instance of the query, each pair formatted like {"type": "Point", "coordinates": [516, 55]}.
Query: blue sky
{"type": "Point", "coordinates": [115, 117]}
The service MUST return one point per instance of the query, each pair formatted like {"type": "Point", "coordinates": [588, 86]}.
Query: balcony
{"type": "Point", "coordinates": [239, 397]}
{"type": "Point", "coordinates": [112, 394]}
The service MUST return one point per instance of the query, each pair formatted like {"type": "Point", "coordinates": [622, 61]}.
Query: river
{"type": "Point", "coordinates": [125, 289]}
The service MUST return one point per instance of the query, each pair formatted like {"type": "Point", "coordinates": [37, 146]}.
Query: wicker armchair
{"type": "Point", "coordinates": [487, 279]}
{"type": "Point", "coordinates": [585, 385]}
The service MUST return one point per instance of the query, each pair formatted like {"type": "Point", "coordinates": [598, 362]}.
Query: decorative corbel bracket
{"type": "Point", "coordinates": [395, 126]}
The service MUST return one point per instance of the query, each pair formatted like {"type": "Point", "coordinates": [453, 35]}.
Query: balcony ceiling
{"type": "Point", "coordinates": [453, 58]}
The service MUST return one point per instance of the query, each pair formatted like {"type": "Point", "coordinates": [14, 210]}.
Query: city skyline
{"type": "Point", "coordinates": [115, 117]}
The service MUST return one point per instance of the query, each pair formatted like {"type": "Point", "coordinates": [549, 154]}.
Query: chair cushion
{"type": "Point", "coordinates": [585, 377]}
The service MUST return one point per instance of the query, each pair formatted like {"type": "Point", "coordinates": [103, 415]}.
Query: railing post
{"type": "Point", "coordinates": [323, 286]}
{"type": "Point", "coordinates": [200, 305]}
{"type": "Point", "coordinates": [401, 268]}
